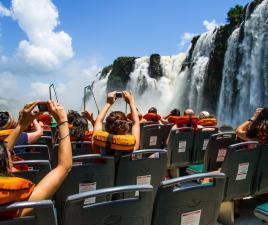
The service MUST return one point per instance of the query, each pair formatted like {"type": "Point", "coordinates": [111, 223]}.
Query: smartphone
{"type": "Point", "coordinates": [42, 106]}
{"type": "Point", "coordinates": [119, 94]}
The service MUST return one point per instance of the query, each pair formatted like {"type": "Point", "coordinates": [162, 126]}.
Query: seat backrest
{"type": "Point", "coordinates": [185, 200]}
{"type": "Point", "coordinates": [261, 178]}
{"type": "Point", "coordinates": [240, 166]}
{"type": "Point", "coordinates": [33, 170]}
{"type": "Point", "coordinates": [32, 152]}
{"type": "Point", "coordinates": [78, 148]}
{"type": "Point", "coordinates": [142, 167]}
{"type": "Point", "coordinates": [46, 140]}
{"type": "Point", "coordinates": [201, 140]}
{"type": "Point", "coordinates": [43, 213]}
{"type": "Point", "coordinates": [152, 136]}
{"type": "Point", "coordinates": [129, 211]}
{"type": "Point", "coordinates": [180, 145]}
{"type": "Point", "coordinates": [89, 172]}
{"type": "Point", "coordinates": [167, 132]}
{"type": "Point", "coordinates": [217, 149]}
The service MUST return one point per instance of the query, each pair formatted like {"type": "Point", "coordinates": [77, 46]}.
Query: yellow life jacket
{"type": "Point", "coordinates": [116, 142]}
{"type": "Point", "coordinates": [5, 133]}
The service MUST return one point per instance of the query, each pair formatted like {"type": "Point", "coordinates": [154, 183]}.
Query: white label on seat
{"type": "Point", "coordinates": [242, 171]}
{"type": "Point", "coordinates": [221, 154]}
{"type": "Point", "coordinates": [83, 187]}
{"type": "Point", "coordinates": [182, 146]}
{"type": "Point", "coordinates": [191, 218]}
{"type": "Point", "coordinates": [153, 140]}
{"type": "Point", "coordinates": [30, 168]}
{"type": "Point", "coordinates": [143, 180]}
{"type": "Point", "coordinates": [154, 156]}
{"type": "Point", "coordinates": [77, 163]}
{"type": "Point", "coordinates": [205, 144]}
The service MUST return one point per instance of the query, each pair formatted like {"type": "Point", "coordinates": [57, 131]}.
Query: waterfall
{"type": "Point", "coordinates": [190, 82]}
{"type": "Point", "coordinates": [244, 91]}
{"type": "Point", "coordinates": [228, 81]}
{"type": "Point", "coordinates": [150, 92]}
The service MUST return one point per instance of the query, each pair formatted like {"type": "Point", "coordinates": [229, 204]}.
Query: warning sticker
{"type": "Point", "coordinates": [205, 144]}
{"type": "Point", "coordinates": [153, 140]}
{"type": "Point", "coordinates": [83, 187]}
{"type": "Point", "coordinates": [221, 154]}
{"type": "Point", "coordinates": [191, 218]}
{"type": "Point", "coordinates": [143, 180]}
{"type": "Point", "coordinates": [242, 171]}
{"type": "Point", "coordinates": [182, 146]}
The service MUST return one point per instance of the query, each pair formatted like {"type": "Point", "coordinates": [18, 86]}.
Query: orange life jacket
{"type": "Point", "coordinates": [184, 121]}
{"type": "Point", "coordinates": [14, 189]}
{"type": "Point", "coordinates": [45, 119]}
{"type": "Point", "coordinates": [129, 116]}
{"type": "Point", "coordinates": [152, 117]}
{"type": "Point", "coordinates": [207, 121]}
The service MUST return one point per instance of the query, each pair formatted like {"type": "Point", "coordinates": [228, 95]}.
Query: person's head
{"type": "Point", "coordinates": [6, 121]}
{"type": "Point", "coordinates": [204, 114]}
{"type": "Point", "coordinates": [152, 110]}
{"type": "Point", "coordinates": [189, 112]}
{"type": "Point", "coordinates": [80, 126]}
{"type": "Point", "coordinates": [72, 115]}
{"type": "Point", "coordinates": [175, 112]}
{"type": "Point", "coordinates": [260, 127]}
{"type": "Point", "coordinates": [116, 123]}
{"type": "Point", "coordinates": [5, 160]}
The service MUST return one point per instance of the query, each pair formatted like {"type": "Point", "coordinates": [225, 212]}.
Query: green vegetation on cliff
{"type": "Point", "coordinates": [121, 69]}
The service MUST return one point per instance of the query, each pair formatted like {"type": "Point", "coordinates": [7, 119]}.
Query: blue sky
{"type": "Point", "coordinates": [106, 29]}
{"type": "Point", "coordinates": [67, 42]}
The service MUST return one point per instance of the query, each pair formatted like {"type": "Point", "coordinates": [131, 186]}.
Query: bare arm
{"type": "Point", "coordinates": [52, 181]}
{"type": "Point", "coordinates": [34, 136]}
{"type": "Point", "coordinates": [135, 118]}
{"type": "Point", "coordinates": [25, 119]}
{"type": "Point", "coordinates": [100, 118]}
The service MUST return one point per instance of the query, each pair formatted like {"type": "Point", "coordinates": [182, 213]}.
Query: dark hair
{"type": "Point", "coordinates": [4, 118]}
{"type": "Point", "coordinates": [116, 123]}
{"type": "Point", "coordinates": [3, 160]}
{"type": "Point", "coordinates": [260, 122]}
{"type": "Point", "coordinates": [80, 126]}
{"type": "Point", "coordinates": [175, 112]}
{"type": "Point", "coordinates": [72, 115]}
{"type": "Point", "coordinates": [152, 110]}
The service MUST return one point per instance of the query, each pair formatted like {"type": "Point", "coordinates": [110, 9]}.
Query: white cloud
{"type": "Point", "coordinates": [4, 11]}
{"type": "Point", "coordinates": [186, 39]}
{"type": "Point", "coordinates": [210, 25]}
{"type": "Point", "coordinates": [45, 50]}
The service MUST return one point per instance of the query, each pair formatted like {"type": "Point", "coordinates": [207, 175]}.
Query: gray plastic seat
{"type": "Point", "coordinates": [152, 136]}
{"type": "Point", "coordinates": [78, 148]}
{"type": "Point", "coordinates": [32, 152]}
{"type": "Point", "coordinates": [89, 172]}
{"type": "Point", "coordinates": [142, 167]}
{"type": "Point", "coordinates": [261, 178]}
{"type": "Point", "coordinates": [240, 167]}
{"type": "Point", "coordinates": [46, 140]}
{"type": "Point", "coordinates": [184, 199]}
{"type": "Point", "coordinates": [167, 132]}
{"type": "Point", "coordinates": [180, 145]}
{"type": "Point", "coordinates": [215, 154]}
{"type": "Point", "coordinates": [201, 140]}
{"type": "Point", "coordinates": [43, 213]}
{"type": "Point", "coordinates": [37, 170]}
{"type": "Point", "coordinates": [128, 211]}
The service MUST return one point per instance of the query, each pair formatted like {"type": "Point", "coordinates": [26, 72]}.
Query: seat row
{"type": "Point", "coordinates": [178, 201]}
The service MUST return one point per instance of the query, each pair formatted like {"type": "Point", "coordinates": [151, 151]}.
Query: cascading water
{"type": "Point", "coordinates": [248, 88]}
{"type": "Point", "coordinates": [190, 82]}
{"type": "Point", "coordinates": [228, 82]}
{"type": "Point", "coordinates": [150, 92]}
